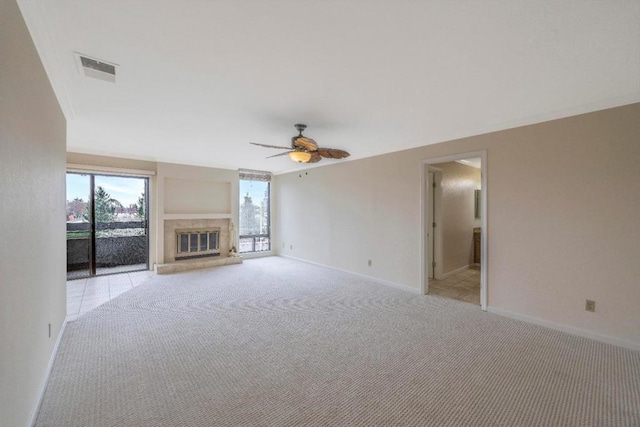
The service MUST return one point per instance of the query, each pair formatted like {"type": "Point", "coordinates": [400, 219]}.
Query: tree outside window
{"type": "Point", "coordinates": [105, 206]}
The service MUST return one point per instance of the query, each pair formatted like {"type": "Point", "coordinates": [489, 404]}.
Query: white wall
{"type": "Point", "coordinates": [32, 226]}
{"type": "Point", "coordinates": [563, 203]}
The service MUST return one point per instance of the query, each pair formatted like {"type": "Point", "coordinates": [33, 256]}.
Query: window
{"type": "Point", "coordinates": [255, 217]}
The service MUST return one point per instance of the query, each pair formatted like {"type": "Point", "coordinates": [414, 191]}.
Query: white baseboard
{"type": "Point", "coordinates": [456, 271]}
{"type": "Point", "coordinates": [499, 311]}
{"type": "Point", "coordinates": [566, 328]}
{"type": "Point", "coordinates": [43, 386]}
{"type": "Point", "coordinates": [373, 279]}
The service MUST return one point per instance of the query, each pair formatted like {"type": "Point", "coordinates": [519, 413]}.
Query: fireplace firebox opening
{"type": "Point", "coordinates": [197, 243]}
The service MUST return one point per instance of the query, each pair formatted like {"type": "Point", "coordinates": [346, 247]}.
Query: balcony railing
{"type": "Point", "coordinates": [116, 244]}
{"type": "Point", "coordinates": [254, 243]}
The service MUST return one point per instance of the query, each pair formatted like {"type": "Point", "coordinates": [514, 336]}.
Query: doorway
{"type": "Point", "coordinates": [107, 224]}
{"type": "Point", "coordinates": [434, 237]}
{"type": "Point", "coordinates": [454, 227]}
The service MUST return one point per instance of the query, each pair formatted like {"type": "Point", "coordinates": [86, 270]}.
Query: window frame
{"type": "Point", "coordinates": [259, 176]}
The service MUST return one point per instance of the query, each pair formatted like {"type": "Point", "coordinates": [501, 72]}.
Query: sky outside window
{"type": "Point", "coordinates": [125, 190]}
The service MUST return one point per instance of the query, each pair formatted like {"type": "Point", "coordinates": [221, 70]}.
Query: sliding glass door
{"type": "Point", "coordinates": [107, 224]}
{"type": "Point", "coordinates": [78, 226]}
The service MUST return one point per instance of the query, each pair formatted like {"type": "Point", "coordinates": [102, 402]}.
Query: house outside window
{"type": "Point", "coordinates": [255, 212]}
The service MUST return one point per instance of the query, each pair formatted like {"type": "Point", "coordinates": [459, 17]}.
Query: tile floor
{"type": "Point", "coordinates": [464, 286]}
{"type": "Point", "coordinates": [79, 274]}
{"type": "Point", "coordinates": [86, 294]}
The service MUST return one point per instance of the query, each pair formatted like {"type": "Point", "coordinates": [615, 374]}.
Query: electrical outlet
{"type": "Point", "coordinates": [49, 330]}
{"type": "Point", "coordinates": [291, 247]}
{"type": "Point", "coordinates": [370, 263]}
{"type": "Point", "coordinates": [590, 305]}
{"type": "Point", "coordinates": [283, 246]}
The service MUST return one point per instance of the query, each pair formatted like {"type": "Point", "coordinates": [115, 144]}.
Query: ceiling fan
{"type": "Point", "coordinates": [305, 150]}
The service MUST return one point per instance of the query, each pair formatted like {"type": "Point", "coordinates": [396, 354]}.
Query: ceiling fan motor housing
{"type": "Point", "coordinates": [306, 150]}
{"type": "Point", "coordinates": [300, 127]}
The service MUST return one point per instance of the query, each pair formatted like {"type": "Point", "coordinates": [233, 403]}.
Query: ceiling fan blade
{"type": "Point", "coordinates": [306, 143]}
{"type": "Point", "coordinates": [315, 157]}
{"type": "Point", "coordinates": [281, 154]}
{"type": "Point", "coordinates": [270, 146]}
{"type": "Point", "coordinates": [333, 153]}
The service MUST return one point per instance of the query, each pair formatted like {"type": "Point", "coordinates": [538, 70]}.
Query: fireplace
{"type": "Point", "coordinates": [197, 243]}
{"type": "Point", "coordinates": [186, 239]}
{"type": "Point", "coordinates": [191, 244]}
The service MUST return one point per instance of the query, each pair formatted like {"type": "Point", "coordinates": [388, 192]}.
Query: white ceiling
{"type": "Point", "coordinates": [198, 80]}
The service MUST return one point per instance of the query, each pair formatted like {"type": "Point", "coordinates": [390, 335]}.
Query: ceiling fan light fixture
{"type": "Point", "coordinates": [300, 156]}
{"type": "Point", "coordinates": [306, 150]}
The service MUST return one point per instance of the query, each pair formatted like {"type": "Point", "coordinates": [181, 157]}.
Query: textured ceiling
{"type": "Point", "coordinates": [198, 80]}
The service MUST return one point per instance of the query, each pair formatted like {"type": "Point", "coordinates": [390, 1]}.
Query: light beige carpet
{"type": "Point", "coordinates": [275, 342]}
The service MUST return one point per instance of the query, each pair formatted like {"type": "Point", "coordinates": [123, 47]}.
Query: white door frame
{"type": "Point", "coordinates": [426, 216]}
{"type": "Point", "coordinates": [437, 218]}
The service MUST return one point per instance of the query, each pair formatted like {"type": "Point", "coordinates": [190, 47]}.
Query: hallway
{"type": "Point", "coordinates": [463, 286]}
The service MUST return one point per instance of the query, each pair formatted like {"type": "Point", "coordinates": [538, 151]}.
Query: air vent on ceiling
{"type": "Point", "coordinates": [97, 69]}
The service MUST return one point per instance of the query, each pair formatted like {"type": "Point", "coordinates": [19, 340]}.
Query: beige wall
{"type": "Point", "coordinates": [345, 214]}
{"type": "Point", "coordinates": [194, 196]}
{"type": "Point", "coordinates": [174, 190]}
{"type": "Point", "coordinates": [193, 190]}
{"type": "Point", "coordinates": [459, 183]}
{"type": "Point", "coordinates": [563, 203]}
{"type": "Point", "coordinates": [110, 162]}
{"type": "Point", "coordinates": [32, 190]}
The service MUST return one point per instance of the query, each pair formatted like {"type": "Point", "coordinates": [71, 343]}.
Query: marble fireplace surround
{"type": "Point", "coordinates": [170, 264]}
{"type": "Point", "coordinates": [170, 227]}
